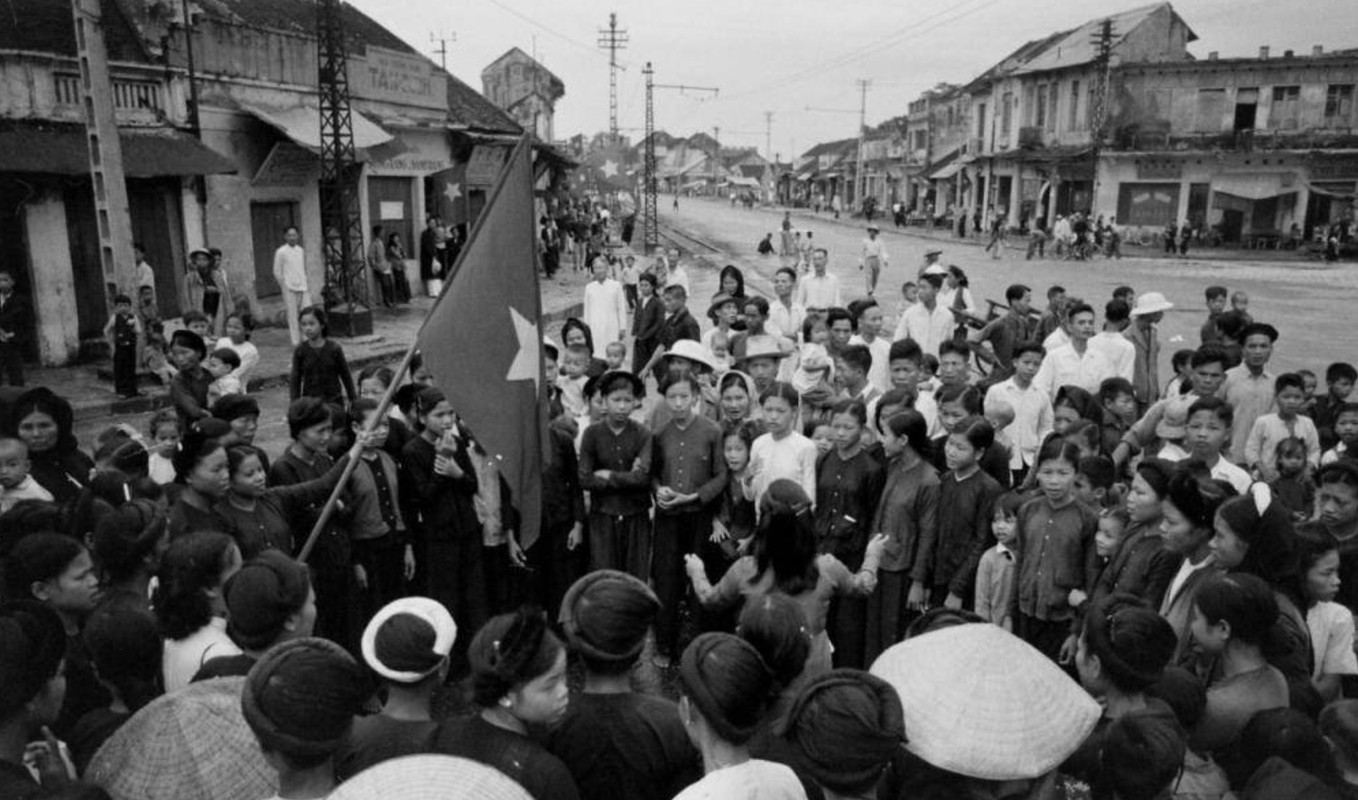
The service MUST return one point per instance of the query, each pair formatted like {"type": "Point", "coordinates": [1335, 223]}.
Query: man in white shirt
{"type": "Point", "coordinates": [1075, 364]}
{"type": "Point", "coordinates": [869, 325]}
{"type": "Point", "coordinates": [818, 291]}
{"type": "Point", "coordinates": [786, 315]}
{"type": "Point", "coordinates": [1032, 407]}
{"type": "Point", "coordinates": [874, 258]}
{"type": "Point", "coordinates": [678, 275]}
{"type": "Point", "coordinates": [146, 276]}
{"type": "Point", "coordinates": [289, 269]}
{"type": "Point", "coordinates": [927, 322]}
{"type": "Point", "coordinates": [1119, 351]}
{"type": "Point", "coordinates": [605, 308]}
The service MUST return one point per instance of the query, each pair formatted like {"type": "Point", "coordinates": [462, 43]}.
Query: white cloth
{"type": "Point", "coordinates": [946, 298]}
{"type": "Point", "coordinates": [1033, 419]}
{"type": "Point", "coordinates": [160, 469]}
{"type": "Point", "coordinates": [1065, 367]}
{"type": "Point", "coordinates": [605, 313]}
{"type": "Point", "coordinates": [1055, 339]}
{"type": "Point", "coordinates": [146, 276]}
{"type": "Point", "coordinates": [792, 457]}
{"type": "Point", "coordinates": [1224, 470]}
{"type": "Point", "coordinates": [679, 277]}
{"type": "Point", "coordinates": [755, 779]}
{"type": "Point", "coordinates": [874, 248]}
{"type": "Point", "coordinates": [786, 321]}
{"type": "Point", "coordinates": [928, 328]}
{"type": "Point", "coordinates": [818, 291]}
{"type": "Point", "coordinates": [184, 657]}
{"type": "Point", "coordinates": [1119, 351]}
{"type": "Point", "coordinates": [1331, 626]}
{"type": "Point", "coordinates": [879, 375]}
{"type": "Point", "coordinates": [289, 267]}
{"type": "Point", "coordinates": [1186, 570]}
{"type": "Point", "coordinates": [1334, 454]}
{"type": "Point", "coordinates": [27, 489]}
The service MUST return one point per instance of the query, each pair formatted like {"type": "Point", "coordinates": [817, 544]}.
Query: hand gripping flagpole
{"type": "Point", "coordinates": [332, 503]}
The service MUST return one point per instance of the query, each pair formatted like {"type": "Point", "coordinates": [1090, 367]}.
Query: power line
{"type": "Point", "coordinates": [613, 39]}
{"type": "Point", "coordinates": [563, 37]}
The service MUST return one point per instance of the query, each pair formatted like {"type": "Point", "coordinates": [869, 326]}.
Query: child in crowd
{"type": "Point", "coordinates": [733, 524]}
{"type": "Point", "coordinates": [165, 430]}
{"type": "Point", "coordinates": [1345, 433]}
{"type": "Point", "coordinates": [720, 345]}
{"type": "Point", "coordinates": [1285, 423]}
{"type": "Point", "coordinates": [1183, 374]}
{"type": "Point", "coordinates": [853, 365]}
{"type": "Point", "coordinates": [821, 433]}
{"type": "Point", "coordinates": [1207, 433]}
{"type": "Point", "coordinates": [1216, 304]}
{"type": "Point", "coordinates": [1293, 485]}
{"type": "Point", "coordinates": [1032, 408]}
{"type": "Point", "coordinates": [781, 452]}
{"type": "Point", "coordinates": [995, 572]}
{"type": "Point", "coordinates": [1240, 303]}
{"type": "Point", "coordinates": [615, 468]}
{"type": "Point", "coordinates": [1118, 400]}
{"type": "Point", "coordinates": [575, 368]}
{"type": "Point", "coordinates": [318, 365]}
{"type": "Point", "coordinates": [124, 333]}
{"type": "Point", "coordinates": [1330, 623]}
{"type": "Point", "coordinates": [384, 557]}
{"type": "Point", "coordinates": [1142, 756]}
{"type": "Point", "coordinates": [1055, 552]}
{"type": "Point", "coordinates": [1094, 482]}
{"type": "Point", "coordinates": [615, 353]}
{"type": "Point", "coordinates": [955, 403]}
{"type": "Point", "coordinates": [1339, 381]}
{"type": "Point", "coordinates": [868, 324]}
{"type": "Point", "coordinates": [222, 366]}
{"type": "Point", "coordinates": [197, 322]}
{"type": "Point", "coordinates": [1000, 415]}
{"type": "Point", "coordinates": [373, 382]}
{"type": "Point", "coordinates": [905, 361]}
{"type": "Point", "coordinates": [929, 373]}
{"type": "Point", "coordinates": [966, 497]}
{"type": "Point", "coordinates": [15, 482]}
{"type": "Point", "coordinates": [1308, 392]}
{"type": "Point", "coordinates": [240, 325]}
{"type": "Point", "coordinates": [1110, 534]}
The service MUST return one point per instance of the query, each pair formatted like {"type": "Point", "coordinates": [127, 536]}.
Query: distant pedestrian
{"type": "Point", "coordinates": [15, 319]}
{"type": "Point", "coordinates": [123, 331]}
{"type": "Point", "coordinates": [206, 286]}
{"type": "Point", "coordinates": [289, 269]}
{"type": "Point", "coordinates": [874, 258]}
{"type": "Point", "coordinates": [396, 258]}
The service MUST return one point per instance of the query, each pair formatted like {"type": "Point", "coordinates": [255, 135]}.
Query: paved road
{"type": "Point", "coordinates": [1311, 304]}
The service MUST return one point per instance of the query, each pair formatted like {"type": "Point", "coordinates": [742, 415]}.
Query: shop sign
{"type": "Point", "coordinates": [1155, 169]}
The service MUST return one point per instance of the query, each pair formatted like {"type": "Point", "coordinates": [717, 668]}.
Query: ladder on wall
{"type": "Point", "coordinates": [111, 209]}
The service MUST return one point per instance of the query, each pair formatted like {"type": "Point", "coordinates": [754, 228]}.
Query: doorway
{"type": "Point", "coordinates": [1246, 108]}
{"type": "Point", "coordinates": [267, 223]}
{"type": "Point", "coordinates": [389, 205]}
{"type": "Point", "coordinates": [158, 226]}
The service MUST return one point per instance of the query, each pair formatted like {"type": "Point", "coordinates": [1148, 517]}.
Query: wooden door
{"type": "Point", "coordinates": [267, 223]}
{"type": "Point", "coordinates": [157, 225]}
{"type": "Point", "coordinates": [91, 295]}
{"type": "Point", "coordinates": [390, 205]}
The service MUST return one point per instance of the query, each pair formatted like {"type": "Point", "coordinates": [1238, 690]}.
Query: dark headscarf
{"type": "Point", "coordinates": [727, 680]}
{"type": "Point", "coordinates": [1266, 526]}
{"type": "Point", "coordinates": [261, 596]}
{"type": "Point", "coordinates": [606, 615]}
{"type": "Point", "coordinates": [844, 728]}
{"type": "Point", "coordinates": [32, 646]}
{"type": "Point", "coordinates": [1084, 403]}
{"type": "Point", "coordinates": [1133, 642]}
{"type": "Point", "coordinates": [300, 698]}
{"type": "Point", "coordinates": [576, 322]}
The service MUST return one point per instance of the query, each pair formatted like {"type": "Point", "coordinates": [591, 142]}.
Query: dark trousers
{"type": "Point", "coordinates": [452, 573]}
{"type": "Point", "coordinates": [847, 627]}
{"type": "Point", "coordinates": [501, 578]}
{"type": "Point", "coordinates": [11, 364]}
{"type": "Point", "coordinates": [1046, 635]}
{"type": "Point", "coordinates": [620, 542]}
{"type": "Point", "coordinates": [401, 283]}
{"type": "Point", "coordinates": [629, 290]}
{"type": "Point", "coordinates": [125, 369]}
{"type": "Point", "coordinates": [552, 568]}
{"type": "Point", "coordinates": [675, 536]}
{"type": "Point", "coordinates": [336, 617]}
{"type": "Point", "coordinates": [887, 616]}
{"type": "Point", "coordinates": [383, 559]}
{"type": "Point", "coordinates": [387, 286]}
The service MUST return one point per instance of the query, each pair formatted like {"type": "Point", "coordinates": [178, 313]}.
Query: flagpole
{"type": "Point", "coordinates": [330, 504]}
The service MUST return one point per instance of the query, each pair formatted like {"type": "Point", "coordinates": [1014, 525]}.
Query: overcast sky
{"type": "Point", "coordinates": [786, 56]}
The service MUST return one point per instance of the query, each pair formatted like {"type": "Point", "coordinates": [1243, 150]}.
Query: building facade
{"type": "Point", "coordinates": [528, 91]}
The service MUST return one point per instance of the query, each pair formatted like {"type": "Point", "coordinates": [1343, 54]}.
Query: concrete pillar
{"type": "Point", "coordinates": [195, 220]}
{"type": "Point", "coordinates": [54, 306]}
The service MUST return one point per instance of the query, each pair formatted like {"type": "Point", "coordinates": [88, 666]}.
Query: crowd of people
{"type": "Point", "coordinates": [805, 548]}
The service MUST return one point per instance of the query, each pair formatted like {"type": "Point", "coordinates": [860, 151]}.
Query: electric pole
{"type": "Point", "coordinates": [442, 50]}
{"type": "Point", "coordinates": [1103, 62]}
{"type": "Point", "coordinates": [861, 180]}
{"type": "Point", "coordinates": [612, 39]}
{"type": "Point", "coordinates": [649, 226]}
{"type": "Point", "coordinates": [768, 135]}
{"type": "Point", "coordinates": [716, 155]}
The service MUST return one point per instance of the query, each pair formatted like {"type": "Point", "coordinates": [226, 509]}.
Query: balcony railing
{"type": "Point", "coordinates": [1245, 141]}
{"type": "Point", "coordinates": [128, 95]}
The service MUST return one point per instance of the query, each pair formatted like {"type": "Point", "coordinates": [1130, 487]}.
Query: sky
{"type": "Point", "coordinates": [799, 59]}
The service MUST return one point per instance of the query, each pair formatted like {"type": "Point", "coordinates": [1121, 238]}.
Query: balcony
{"type": "Point", "coordinates": [1236, 141]}
{"type": "Point", "coordinates": [1030, 137]}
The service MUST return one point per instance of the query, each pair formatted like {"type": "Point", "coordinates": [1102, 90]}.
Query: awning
{"type": "Point", "coordinates": [946, 171]}
{"type": "Point", "coordinates": [1255, 186]}
{"type": "Point", "coordinates": [741, 181]}
{"type": "Point", "coordinates": [61, 149]}
{"type": "Point", "coordinates": [302, 124]}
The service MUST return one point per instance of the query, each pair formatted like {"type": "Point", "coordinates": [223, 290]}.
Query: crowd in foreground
{"type": "Point", "coordinates": [986, 555]}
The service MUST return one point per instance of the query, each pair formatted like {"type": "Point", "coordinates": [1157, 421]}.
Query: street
{"type": "Point", "coordinates": [1308, 301]}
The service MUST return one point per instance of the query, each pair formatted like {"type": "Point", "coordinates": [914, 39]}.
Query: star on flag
{"type": "Point", "coordinates": [610, 168]}
{"type": "Point", "coordinates": [527, 362]}
{"type": "Point", "coordinates": [453, 191]}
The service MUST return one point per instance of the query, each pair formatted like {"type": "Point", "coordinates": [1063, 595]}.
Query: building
{"type": "Point", "coordinates": [247, 173]}
{"type": "Point", "coordinates": [528, 91]}
{"type": "Point", "coordinates": [1257, 149]}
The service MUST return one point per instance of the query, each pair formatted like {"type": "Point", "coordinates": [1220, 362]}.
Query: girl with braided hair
{"type": "Point", "coordinates": [518, 679]}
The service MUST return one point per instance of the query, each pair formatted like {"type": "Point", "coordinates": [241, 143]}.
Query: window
{"type": "Point", "coordinates": [1338, 105]}
{"type": "Point", "coordinates": [1148, 204]}
{"type": "Point", "coordinates": [1051, 107]}
{"type": "Point", "coordinates": [1286, 102]}
{"type": "Point", "coordinates": [1211, 110]}
{"type": "Point", "coordinates": [1006, 113]}
{"type": "Point", "coordinates": [1074, 105]}
{"type": "Point", "coordinates": [1040, 113]}
{"type": "Point", "coordinates": [980, 120]}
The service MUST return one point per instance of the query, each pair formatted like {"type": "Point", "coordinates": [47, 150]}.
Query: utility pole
{"type": "Point", "coordinates": [1103, 65]}
{"type": "Point", "coordinates": [105, 152]}
{"type": "Point", "coordinates": [716, 155]}
{"type": "Point", "coordinates": [345, 295]}
{"type": "Point", "coordinates": [861, 180]}
{"type": "Point", "coordinates": [651, 186]}
{"type": "Point", "coordinates": [768, 134]}
{"type": "Point", "coordinates": [612, 39]}
{"type": "Point", "coordinates": [442, 50]}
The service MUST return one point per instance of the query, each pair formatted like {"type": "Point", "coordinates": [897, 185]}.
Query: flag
{"type": "Point", "coordinates": [449, 192]}
{"type": "Point", "coordinates": [482, 341]}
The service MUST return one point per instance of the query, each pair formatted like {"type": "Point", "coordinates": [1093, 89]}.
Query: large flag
{"type": "Point", "coordinates": [482, 341]}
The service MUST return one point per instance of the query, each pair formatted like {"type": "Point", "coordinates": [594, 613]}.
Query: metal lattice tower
{"type": "Point", "coordinates": [612, 39]}
{"type": "Point", "coordinates": [1103, 65]}
{"type": "Point", "coordinates": [111, 208]}
{"type": "Point", "coordinates": [650, 235]}
{"type": "Point", "coordinates": [346, 280]}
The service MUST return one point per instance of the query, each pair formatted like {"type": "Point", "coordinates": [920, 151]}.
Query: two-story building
{"type": "Point", "coordinates": [528, 91]}
{"type": "Point", "coordinates": [1250, 147]}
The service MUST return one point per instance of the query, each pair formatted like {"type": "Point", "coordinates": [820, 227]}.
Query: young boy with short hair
{"type": "Point", "coordinates": [15, 482]}
{"type": "Point", "coordinates": [853, 364]}
{"type": "Point", "coordinates": [197, 321]}
{"type": "Point", "coordinates": [383, 558]}
{"type": "Point", "coordinates": [1032, 408]}
{"type": "Point", "coordinates": [572, 384]}
{"type": "Point", "coordinates": [1287, 422]}
{"type": "Point", "coordinates": [1216, 303]}
{"type": "Point", "coordinates": [1345, 432]}
{"type": "Point", "coordinates": [954, 363]}
{"type": "Point", "coordinates": [221, 365]}
{"type": "Point", "coordinates": [614, 355]}
{"type": "Point", "coordinates": [869, 326]}
{"type": "Point", "coordinates": [905, 365]}
{"type": "Point", "coordinates": [995, 572]}
{"type": "Point", "coordinates": [1208, 431]}
{"type": "Point", "coordinates": [1117, 397]}
{"type": "Point", "coordinates": [1094, 481]}
{"type": "Point", "coordinates": [123, 332]}
{"type": "Point", "coordinates": [615, 468]}
{"type": "Point", "coordinates": [1339, 380]}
